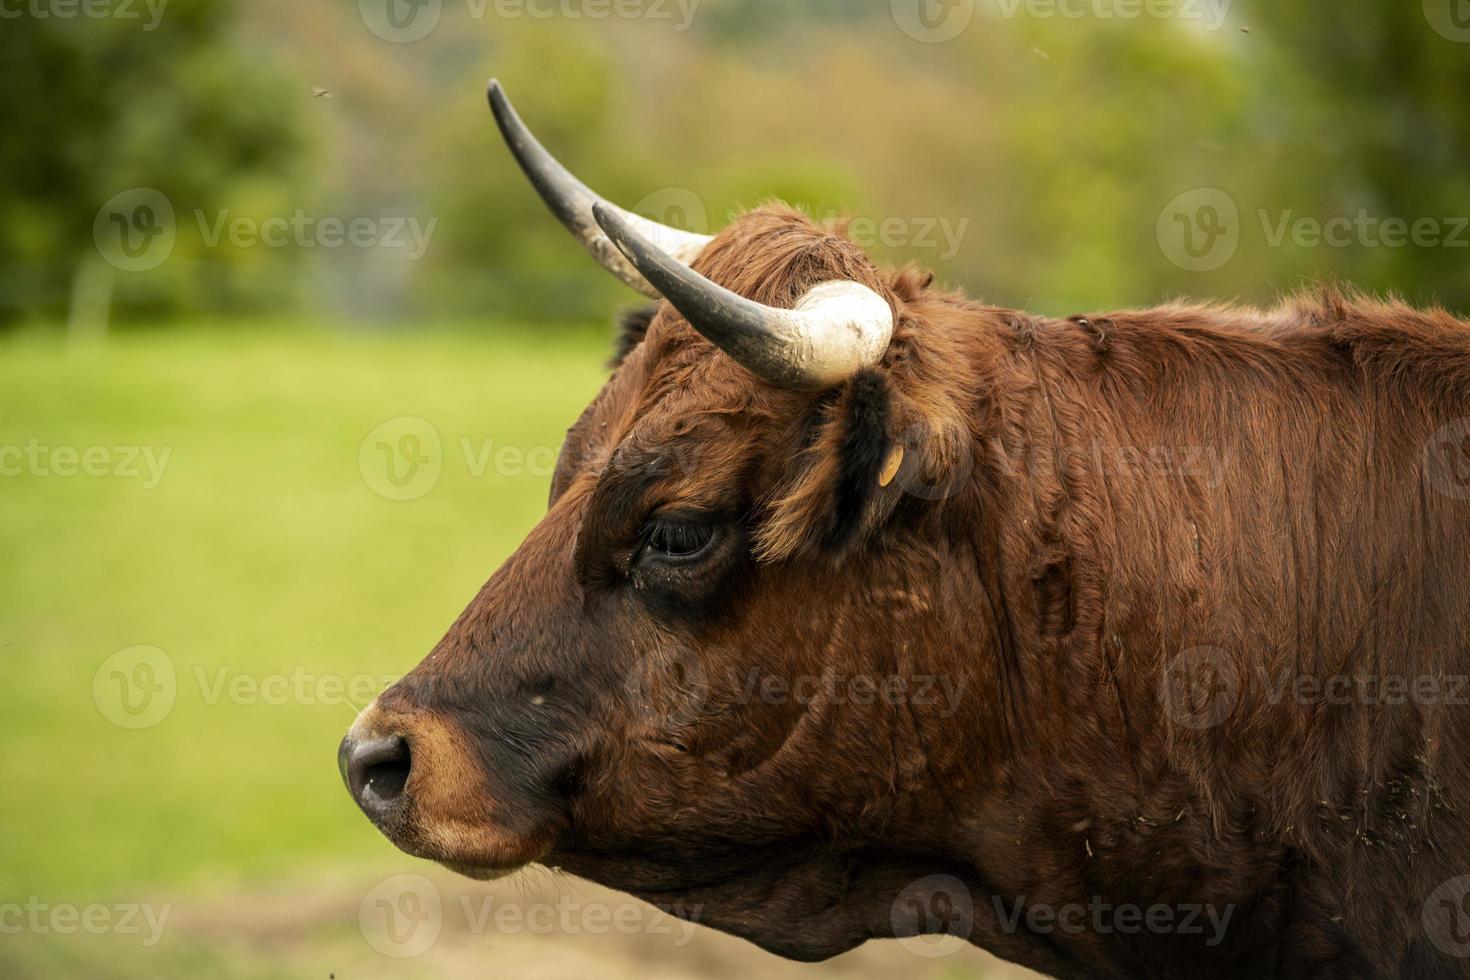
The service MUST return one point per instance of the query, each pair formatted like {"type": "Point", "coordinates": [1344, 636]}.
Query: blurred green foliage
{"type": "Point", "coordinates": [1028, 159]}
{"type": "Point", "coordinates": [96, 105]}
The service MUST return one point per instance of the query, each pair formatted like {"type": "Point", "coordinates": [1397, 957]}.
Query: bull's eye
{"type": "Point", "coordinates": [678, 540]}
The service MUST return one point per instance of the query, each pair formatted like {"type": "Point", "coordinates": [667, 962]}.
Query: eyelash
{"type": "Point", "coordinates": [678, 539]}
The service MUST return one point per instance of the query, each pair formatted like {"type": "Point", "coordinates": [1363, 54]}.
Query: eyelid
{"type": "Point", "coordinates": [682, 513]}
{"type": "Point", "coordinates": [677, 517]}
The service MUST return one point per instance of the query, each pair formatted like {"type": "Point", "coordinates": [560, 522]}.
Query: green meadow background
{"type": "Point", "coordinates": [184, 646]}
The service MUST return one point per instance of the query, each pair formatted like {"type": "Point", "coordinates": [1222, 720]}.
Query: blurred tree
{"type": "Point", "coordinates": [1031, 159]}
{"type": "Point", "coordinates": [95, 106]}
{"type": "Point", "coordinates": [1380, 92]}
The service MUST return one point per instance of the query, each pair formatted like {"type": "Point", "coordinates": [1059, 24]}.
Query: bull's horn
{"type": "Point", "coordinates": [834, 330]}
{"type": "Point", "coordinates": [572, 201]}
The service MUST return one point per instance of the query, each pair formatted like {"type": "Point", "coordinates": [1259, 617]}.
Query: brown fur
{"type": "Point", "coordinates": [1088, 513]}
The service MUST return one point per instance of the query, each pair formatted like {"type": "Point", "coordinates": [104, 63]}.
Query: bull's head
{"type": "Point", "coordinates": [694, 681]}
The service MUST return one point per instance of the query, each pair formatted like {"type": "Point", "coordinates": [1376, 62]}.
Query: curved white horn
{"type": "Point", "coordinates": [835, 330]}
{"type": "Point", "coordinates": [572, 201]}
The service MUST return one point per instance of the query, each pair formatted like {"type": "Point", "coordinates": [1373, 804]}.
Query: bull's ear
{"type": "Point", "coordinates": [844, 486]}
{"type": "Point", "coordinates": [632, 327]}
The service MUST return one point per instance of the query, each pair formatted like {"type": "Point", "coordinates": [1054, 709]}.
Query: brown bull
{"type": "Point", "coordinates": [1123, 645]}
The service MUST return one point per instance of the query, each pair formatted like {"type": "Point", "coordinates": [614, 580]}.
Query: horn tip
{"type": "Point", "coordinates": [608, 220]}
{"type": "Point", "coordinates": [494, 92]}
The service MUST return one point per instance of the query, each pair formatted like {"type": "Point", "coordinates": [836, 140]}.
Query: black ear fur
{"type": "Point", "coordinates": [865, 447]}
{"type": "Point", "coordinates": [632, 325]}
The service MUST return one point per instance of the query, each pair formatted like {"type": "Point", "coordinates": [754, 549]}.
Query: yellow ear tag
{"type": "Point", "coordinates": [890, 466]}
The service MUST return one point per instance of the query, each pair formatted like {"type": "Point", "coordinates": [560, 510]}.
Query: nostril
{"type": "Point", "coordinates": [378, 770]}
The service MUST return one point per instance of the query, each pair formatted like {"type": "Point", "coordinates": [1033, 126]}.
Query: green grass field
{"type": "Point", "coordinates": [263, 551]}
{"type": "Point", "coordinates": [265, 565]}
